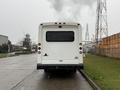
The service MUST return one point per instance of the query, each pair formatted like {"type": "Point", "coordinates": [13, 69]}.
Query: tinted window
{"type": "Point", "coordinates": [60, 36]}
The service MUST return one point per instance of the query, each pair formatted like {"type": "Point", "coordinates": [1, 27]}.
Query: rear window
{"type": "Point", "coordinates": [59, 36]}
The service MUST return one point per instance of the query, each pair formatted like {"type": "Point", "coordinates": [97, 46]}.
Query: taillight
{"type": "Point", "coordinates": [39, 44]}
{"type": "Point", "coordinates": [39, 52]}
{"type": "Point", "coordinates": [39, 48]}
{"type": "Point", "coordinates": [80, 43]}
{"type": "Point", "coordinates": [80, 52]}
{"type": "Point", "coordinates": [80, 47]}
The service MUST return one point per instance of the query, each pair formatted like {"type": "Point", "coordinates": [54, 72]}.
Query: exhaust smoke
{"type": "Point", "coordinates": [69, 10]}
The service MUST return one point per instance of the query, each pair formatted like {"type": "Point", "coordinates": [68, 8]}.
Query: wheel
{"type": "Point", "coordinates": [71, 71]}
{"type": "Point", "coordinates": [74, 70]}
{"type": "Point", "coordinates": [46, 70]}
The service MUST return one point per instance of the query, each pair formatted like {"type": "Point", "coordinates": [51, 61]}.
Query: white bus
{"type": "Point", "coordinates": [60, 46]}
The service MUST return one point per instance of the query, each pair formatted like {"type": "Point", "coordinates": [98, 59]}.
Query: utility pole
{"type": "Point", "coordinates": [101, 23]}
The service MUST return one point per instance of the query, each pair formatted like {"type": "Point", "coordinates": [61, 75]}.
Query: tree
{"type": "Point", "coordinates": [4, 48]}
{"type": "Point", "coordinates": [27, 42]}
{"type": "Point", "coordinates": [10, 48]}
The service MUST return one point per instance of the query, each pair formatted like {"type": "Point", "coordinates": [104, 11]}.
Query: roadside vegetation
{"type": "Point", "coordinates": [3, 55]}
{"type": "Point", "coordinates": [104, 71]}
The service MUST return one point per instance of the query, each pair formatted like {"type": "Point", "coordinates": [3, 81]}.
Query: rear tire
{"type": "Point", "coordinates": [46, 70]}
{"type": "Point", "coordinates": [71, 71]}
{"type": "Point", "coordinates": [74, 70]}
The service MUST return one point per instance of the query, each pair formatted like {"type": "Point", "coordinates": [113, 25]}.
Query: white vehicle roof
{"type": "Point", "coordinates": [59, 23]}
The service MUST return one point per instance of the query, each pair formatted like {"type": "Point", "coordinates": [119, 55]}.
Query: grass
{"type": "Point", "coordinates": [2, 55]}
{"type": "Point", "coordinates": [104, 71]}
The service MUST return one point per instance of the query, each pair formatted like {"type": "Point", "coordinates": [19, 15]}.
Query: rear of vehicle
{"type": "Point", "coordinates": [60, 46]}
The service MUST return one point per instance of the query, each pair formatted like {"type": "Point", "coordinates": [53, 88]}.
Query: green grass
{"type": "Point", "coordinates": [3, 55]}
{"type": "Point", "coordinates": [104, 71]}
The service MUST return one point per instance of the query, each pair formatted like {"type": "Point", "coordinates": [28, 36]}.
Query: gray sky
{"type": "Point", "coordinates": [18, 17]}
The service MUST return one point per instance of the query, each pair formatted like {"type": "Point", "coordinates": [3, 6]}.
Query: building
{"type": "Point", "coordinates": [88, 46]}
{"type": "Point", "coordinates": [3, 39]}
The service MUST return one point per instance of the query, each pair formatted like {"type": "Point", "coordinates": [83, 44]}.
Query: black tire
{"type": "Point", "coordinates": [71, 71]}
{"type": "Point", "coordinates": [82, 67]}
{"type": "Point", "coordinates": [74, 70]}
{"type": "Point", "coordinates": [46, 70]}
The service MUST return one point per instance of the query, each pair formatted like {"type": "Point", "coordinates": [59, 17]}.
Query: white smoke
{"type": "Point", "coordinates": [69, 9]}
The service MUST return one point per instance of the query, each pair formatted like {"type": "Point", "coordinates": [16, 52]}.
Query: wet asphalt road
{"type": "Point", "coordinates": [19, 73]}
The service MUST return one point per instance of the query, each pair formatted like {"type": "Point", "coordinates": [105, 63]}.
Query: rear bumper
{"type": "Point", "coordinates": [60, 66]}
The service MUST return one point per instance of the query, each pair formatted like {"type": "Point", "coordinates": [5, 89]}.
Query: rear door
{"type": "Point", "coordinates": [60, 43]}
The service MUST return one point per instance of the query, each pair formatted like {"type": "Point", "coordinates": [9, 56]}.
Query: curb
{"type": "Point", "coordinates": [92, 84]}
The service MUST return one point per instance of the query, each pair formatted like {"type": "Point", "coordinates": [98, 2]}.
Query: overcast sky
{"type": "Point", "coordinates": [18, 17]}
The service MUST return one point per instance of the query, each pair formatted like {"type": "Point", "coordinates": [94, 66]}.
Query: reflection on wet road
{"type": "Point", "coordinates": [19, 73]}
{"type": "Point", "coordinates": [38, 80]}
